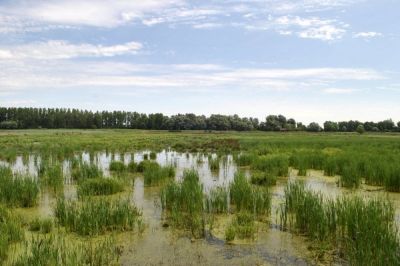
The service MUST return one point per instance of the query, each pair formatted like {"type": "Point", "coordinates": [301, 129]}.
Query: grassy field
{"type": "Point", "coordinates": [343, 226]}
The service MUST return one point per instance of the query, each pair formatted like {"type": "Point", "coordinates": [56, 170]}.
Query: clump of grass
{"type": "Point", "coordinates": [10, 231]}
{"type": "Point", "coordinates": [145, 157]}
{"type": "Point", "coordinates": [57, 250]}
{"type": "Point", "coordinates": [97, 216]}
{"type": "Point", "coordinates": [154, 174]}
{"type": "Point", "coordinates": [145, 164]}
{"type": "Point", "coordinates": [153, 155]}
{"type": "Point", "coordinates": [117, 166]}
{"type": "Point", "coordinates": [17, 191]}
{"type": "Point", "coordinates": [392, 181]}
{"type": "Point", "coordinates": [245, 159]}
{"type": "Point", "coordinates": [81, 171]}
{"type": "Point", "coordinates": [99, 186]}
{"type": "Point", "coordinates": [363, 230]}
{"type": "Point", "coordinates": [44, 225]}
{"type": "Point", "coordinates": [183, 203]}
{"type": "Point", "coordinates": [218, 200]}
{"type": "Point", "coordinates": [350, 177]}
{"type": "Point", "coordinates": [243, 226]}
{"type": "Point", "coordinates": [274, 164]}
{"type": "Point", "coordinates": [52, 176]}
{"type": "Point", "coordinates": [262, 179]}
{"type": "Point", "coordinates": [132, 167]}
{"type": "Point", "coordinates": [213, 163]}
{"type": "Point", "coordinates": [250, 198]}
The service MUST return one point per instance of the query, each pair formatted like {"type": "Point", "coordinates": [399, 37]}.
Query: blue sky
{"type": "Point", "coordinates": [313, 60]}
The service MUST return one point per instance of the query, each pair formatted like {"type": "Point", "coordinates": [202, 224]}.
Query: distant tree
{"type": "Point", "coordinates": [360, 129]}
{"type": "Point", "coordinates": [386, 125]}
{"type": "Point", "coordinates": [301, 127]}
{"type": "Point", "coordinates": [9, 125]}
{"type": "Point", "coordinates": [313, 127]}
{"type": "Point", "coordinates": [330, 126]}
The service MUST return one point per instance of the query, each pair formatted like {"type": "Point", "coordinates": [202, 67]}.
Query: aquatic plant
{"type": "Point", "coordinates": [58, 250]}
{"type": "Point", "coordinates": [132, 167]}
{"type": "Point", "coordinates": [183, 203]}
{"type": "Point", "coordinates": [10, 231]}
{"type": "Point", "coordinates": [52, 176]}
{"type": "Point", "coordinates": [350, 177]}
{"type": "Point", "coordinates": [117, 166]}
{"type": "Point", "coordinates": [273, 164]}
{"type": "Point", "coordinates": [44, 225]}
{"type": "Point", "coordinates": [213, 163]}
{"type": "Point", "coordinates": [96, 216]}
{"type": "Point", "coordinates": [17, 191]}
{"type": "Point", "coordinates": [153, 155]}
{"type": "Point", "coordinates": [246, 197]}
{"type": "Point", "coordinates": [243, 226]}
{"type": "Point", "coordinates": [154, 174]}
{"type": "Point", "coordinates": [262, 178]}
{"type": "Point", "coordinates": [81, 171]}
{"type": "Point", "coordinates": [217, 201]}
{"type": "Point", "coordinates": [99, 186]}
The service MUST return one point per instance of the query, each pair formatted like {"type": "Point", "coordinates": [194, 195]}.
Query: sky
{"type": "Point", "coordinates": [313, 60]}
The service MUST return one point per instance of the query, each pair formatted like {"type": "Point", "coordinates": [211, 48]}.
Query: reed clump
{"type": "Point", "coordinates": [97, 216]}
{"type": "Point", "coordinates": [81, 171]}
{"type": "Point", "coordinates": [183, 203]}
{"type": "Point", "coordinates": [99, 186]}
{"type": "Point", "coordinates": [52, 176]}
{"type": "Point", "coordinates": [262, 179]}
{"type": "Point", "coordinates": [277, 165]}
{"type": "Point", "coordinates": [10, 231]}
{"type": "Point", "coordinates": [117, 166]}
{"type": "Point", "coordinates": [42, 225]}
{"type": "Point", "coordinates": [246, 197]}
{"type": "Point", "coordinates": [58, 250]}
{"type": "Point", "coordinates": [154, 174]}
{"type": "Point", "coordinates": [364, 231]}
{"type": "Point", "coordinates": [17, 191]}
{"type": "Point", "coordinates": [217, 201]}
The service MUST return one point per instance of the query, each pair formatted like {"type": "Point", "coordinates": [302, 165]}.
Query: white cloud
{"type": "Point", "coordinates": [339, 91]}
{"type": "Point", "coordinates": [368, 35]}
{"type": "Point", "coordinates": [207, 26]}
{"type": "Point", "coordinates": [57, 49]}
{"type": "Point", "coordinates": [324, 33]}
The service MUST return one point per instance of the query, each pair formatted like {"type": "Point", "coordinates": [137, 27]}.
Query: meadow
{"type": "Point", "coordinates": [127, 197]}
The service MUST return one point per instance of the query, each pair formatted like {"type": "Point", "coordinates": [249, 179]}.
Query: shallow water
{"type": "Point", "coordinates": [167, 246]}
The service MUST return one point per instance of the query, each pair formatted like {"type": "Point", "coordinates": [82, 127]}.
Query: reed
{"type": "Point", "coordinates": [99, 186]}
{"type": "Point", "coordinates": [52, 176]}
{"type": "Point", "coordinates": [97, 216]}
{"type": "Point", "coordinates": [154, 174]}
{"type": "Point", "coordinates": [243, 226]}
{"type": "Point", "coordinates": [213, 163]}
{"type": "Point", "coordinates": [217, 201]}
{"type": "Point", "coordinates": [17, 191]}
{"type": "Point", "coordinates": [117, 166]}
{"type": "Point", "coordinates": [183, 203]}
{"type": "Point", "coordinates": [350, 177]}
{"type": "Point", "coordinates": [44, 225]}
{"type": "Point", "coordinates": [82, 171]}
{"type": "Point", "coordinates": [262, 179]}
{"type": "Point", "coordinates": [246, 197]}
{"type": "Point", "coordinates": [58, 250]}
{"type": "Point", "coordinates": [153, 155]}
{"type": "Point", "coordinates": [273, 164]}
{"type": "Point", "coordinates": [10, 231]}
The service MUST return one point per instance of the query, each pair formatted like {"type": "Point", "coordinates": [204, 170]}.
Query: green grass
{"type": "Point", "coordinates": [10, 231]}
{"type": "Point", "coordinates": [262, 178]}
{"type": "Point", "coordinates": [183, 203]}
{"type": "Point", "coordinates": [81, 171]}
{"type": "Point", "coordinates": [99, 186]}
{"type": "Point", "coordinates": [364, 231]}
{"type": "Point", "coordinates": [272, 164]}
{"type": "Point", "coordinates": [97, 216]}
{"type": "Point", "coordinates": [217, 201]}
{"type": "Point", "coordinates": [57, 250]}
{"type": "Point", "coordinates": [155, 174]}
{"type": "Point", "coordinates": [17, 191]}
{"type": "Point", "coordinates": [117, 166]}
{"type": "Point", "coordinates": [246, 197]}
{"type": "Point", "coordinates": [213, 163]}
{"type": "Point", "coordinates": [44, 225]}
{"type": "Point", "coordinates": [51, 175]}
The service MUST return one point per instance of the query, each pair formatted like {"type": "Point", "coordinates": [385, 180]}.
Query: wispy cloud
{"type": "Point", "coordinates": [368, 35]}
{"type": "Point", "coordinates": [57, 49]}
{"type": "Point", "coordinates": [339, 90]}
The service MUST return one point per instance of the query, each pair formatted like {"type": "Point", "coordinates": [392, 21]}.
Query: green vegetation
{"type": "Point", "coordinates": [243, 226]}
{"type": "Point", "coordinates": [117, 166]}
{"type": "Point", "coordinates": [99, 186]}
{"type": "Point", "coordinates": [154, 174]}
{"type": "Point", "coordinates": [82, 171]}
{"type": "Point", "coordinates": [57, 250]}
{"type": "Point", "coordinates": [96, 216]}
{"type": "Point", "coordinates": [44, 225]}
{"type": "Point", "coordinates": [245, 197]}
{"type": "Point", "coordinates": [10, 231]}
{"type": "Point", "coordinates": [17, 191]}
{"type": "Point", "coordinates": [262, 179]}
{"type": "Point", "coordinates": [184, 203]}
{"type": "Point", "coordinates": [363, 230]}
{"type": "Point", "coordinates": [51, 175]}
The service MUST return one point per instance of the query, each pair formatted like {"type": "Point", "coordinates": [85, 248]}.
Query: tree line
{"type": "Point", "coordinates": [53, 118]}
